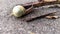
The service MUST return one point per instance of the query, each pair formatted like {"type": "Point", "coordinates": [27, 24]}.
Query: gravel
{"type": "Point", "coordinates": [13, 25]}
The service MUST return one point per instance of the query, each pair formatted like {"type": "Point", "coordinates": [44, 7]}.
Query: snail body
{"type": "Point", "coordinates": [18, 11]}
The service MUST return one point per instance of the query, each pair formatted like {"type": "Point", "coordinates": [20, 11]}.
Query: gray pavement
{"type": "Point", "coordinates": [13, 25]}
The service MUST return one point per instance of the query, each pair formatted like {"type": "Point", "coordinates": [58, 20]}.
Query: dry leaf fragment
{"type": "Point", "coordinates": [58, 0]}
{"type": "Point", "coordinates": [49, 0]}
{"type": "Point", "coordinates": [31, 32]}
{"type": "Point", "coordinates": [52, 17]}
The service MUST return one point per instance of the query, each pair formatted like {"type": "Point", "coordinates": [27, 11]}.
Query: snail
{"type": "Point", "coordinates": [18, 11]}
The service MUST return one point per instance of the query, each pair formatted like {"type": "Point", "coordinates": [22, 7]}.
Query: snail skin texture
{"type": "Point", "coordinates": [18, 11]}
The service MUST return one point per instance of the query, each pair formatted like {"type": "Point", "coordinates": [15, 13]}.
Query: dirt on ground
{"type": "Point", "coordinates": [13, 25]}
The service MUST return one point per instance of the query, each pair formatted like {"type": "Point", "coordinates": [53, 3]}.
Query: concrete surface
{"type": "Point", "coordinates": [13, 25]}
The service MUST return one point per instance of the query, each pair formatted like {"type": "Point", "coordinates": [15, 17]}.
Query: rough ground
{"type": "Point", "coordinates": [13, 25]}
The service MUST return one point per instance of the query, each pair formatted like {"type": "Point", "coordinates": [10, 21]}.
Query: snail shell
{"type": "Point", "coordinates": [18, 11]}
